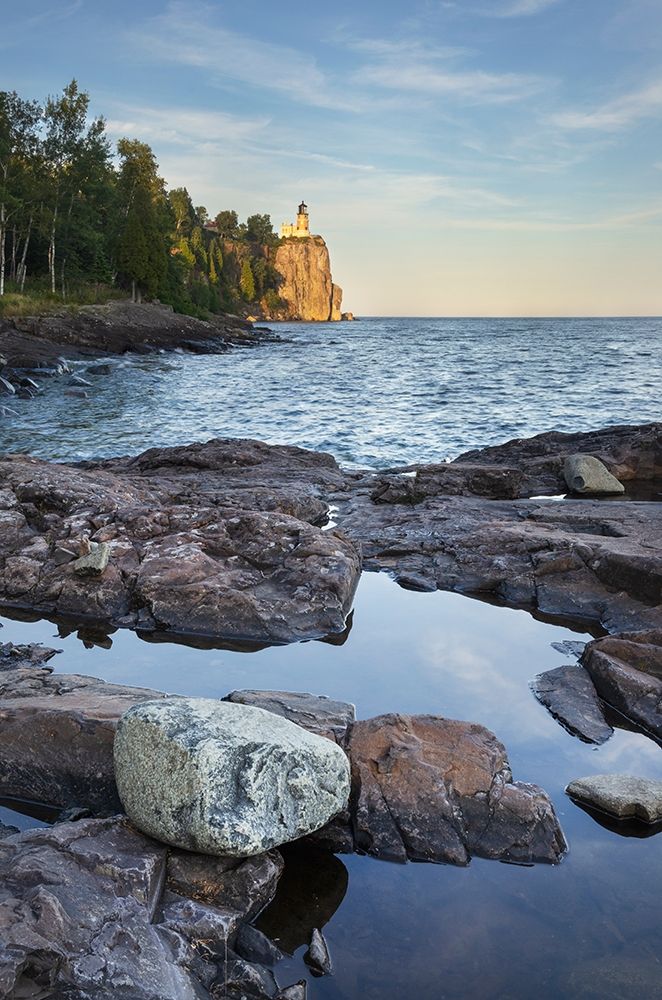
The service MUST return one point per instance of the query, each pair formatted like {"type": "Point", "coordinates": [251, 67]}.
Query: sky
{"type": "Point", "coordinates": [467, 158]}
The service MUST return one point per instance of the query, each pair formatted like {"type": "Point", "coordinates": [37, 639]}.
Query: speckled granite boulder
{"type": "Point", "coordinates": [586, 474]}
{"type": "Point", "coordinates": [225, 779]}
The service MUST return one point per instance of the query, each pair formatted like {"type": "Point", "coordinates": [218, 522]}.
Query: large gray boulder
{"type": "Point", "coordinates": [586, 474]}
{"type": "Point", "coordinates": [223, 778]}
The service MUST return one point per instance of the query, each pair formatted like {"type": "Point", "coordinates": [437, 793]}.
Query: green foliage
{"type": "Point", "coordinates": [247, 282]}
{"type": "Point", "coordinates": [77, 223]}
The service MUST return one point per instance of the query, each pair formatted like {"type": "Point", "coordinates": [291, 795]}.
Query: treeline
{"type": "Point", "coordinates": [77, 215]}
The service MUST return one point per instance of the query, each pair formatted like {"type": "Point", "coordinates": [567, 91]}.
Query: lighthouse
{"type": "Point", "coordinates": [301, 228]}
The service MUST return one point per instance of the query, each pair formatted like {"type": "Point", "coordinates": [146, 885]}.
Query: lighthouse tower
{"type": "Point", "coordinates": [301, 228]}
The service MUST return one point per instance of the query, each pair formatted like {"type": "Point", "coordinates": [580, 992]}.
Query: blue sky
{"type": "Point", "coordinates": [461, 158]}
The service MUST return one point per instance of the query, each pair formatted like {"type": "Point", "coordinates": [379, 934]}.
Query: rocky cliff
{"type": "Point", "coordinates": [307, 290]}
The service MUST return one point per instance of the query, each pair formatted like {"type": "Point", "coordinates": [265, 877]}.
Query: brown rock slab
{"type": "Point", "coordinates": [432, 789]}
{"type": "Point", "coordinates": [56, 736]}
{"type": "Point", "coordinates": [217, 540]}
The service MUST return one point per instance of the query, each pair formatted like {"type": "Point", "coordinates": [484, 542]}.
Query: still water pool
{"type": "Point", "coordinates": [589, 927]}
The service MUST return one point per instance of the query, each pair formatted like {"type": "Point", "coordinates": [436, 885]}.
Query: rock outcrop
{"type": "Point", "coordinates": [426, 788]}
{"type": "Point", "coordinates": [217, 540]}
{"type": "Point", "coordinates": [224, 778]}
{"type": "Point", "coordinates": [85, 911]}
{"type": "Point", "coordinates": [627, 673]}
{"type": "Point", "coordinates": [307, 289]}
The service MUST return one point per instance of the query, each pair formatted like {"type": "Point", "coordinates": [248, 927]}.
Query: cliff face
{"type": "Point", "coordinates": [307, 289]}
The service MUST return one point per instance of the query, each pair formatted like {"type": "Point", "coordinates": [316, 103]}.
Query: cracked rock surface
{"type": "Point", "coordinates": [84, 911]}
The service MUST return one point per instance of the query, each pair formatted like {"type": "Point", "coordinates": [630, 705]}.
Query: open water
{"type": "Point", "coordinates": [377, 393]}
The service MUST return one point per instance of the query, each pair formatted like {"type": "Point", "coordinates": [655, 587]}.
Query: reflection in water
{"type": "Point", "coordinates": [310, 890]}
{"type": "Point", "coordinates": [630, 827]}
{"type": "Point", "coordinates": [425, 932]}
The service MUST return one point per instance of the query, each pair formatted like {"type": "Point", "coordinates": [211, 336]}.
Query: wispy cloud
{"type": "Point", "coordinates": [188, 34]}
{"type": "Point", "coordinates": [181, 126]}
{"type": "Point", "coordinates": [55, 12]}
{"type": "Point", "coordinates": [414, 67]}
{"type": "Point", "coordinates": [617, 114]}
{"type": "Point", "coordinates": [525, 8]}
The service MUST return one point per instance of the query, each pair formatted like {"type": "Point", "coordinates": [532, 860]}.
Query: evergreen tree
{"type": "Point", "coordinates": [246, 282]}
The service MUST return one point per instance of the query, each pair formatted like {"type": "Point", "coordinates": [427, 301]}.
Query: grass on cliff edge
{"type": "Point", "coordinates": [39, 302]}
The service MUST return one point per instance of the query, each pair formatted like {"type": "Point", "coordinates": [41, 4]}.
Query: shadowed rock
{"type": "Point", "coordinates": [627, 673]}
{"type": "Point", "coordinates": [82, 912]}
{"type": "Point", "coordinates": [57, 733]}
{"type": "Point", "coordinates": [316, 713]}
{"type": "Point", "coordinates": [569, 695]}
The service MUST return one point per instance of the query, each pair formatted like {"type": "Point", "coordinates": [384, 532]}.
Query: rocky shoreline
{"type": "Point", "coordinates": [230, 541]}
{"type": "Point", "coordinates": [36, 347]}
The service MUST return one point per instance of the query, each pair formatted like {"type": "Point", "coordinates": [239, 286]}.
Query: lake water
{"type": "Point", "coordinates": [378, 393]}
{"type": "Point", "coordinates": [375, 393]}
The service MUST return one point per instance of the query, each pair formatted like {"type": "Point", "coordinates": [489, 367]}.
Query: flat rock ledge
{"type": "Point", "coordinates": [224, 778]}
{"type": "Point", "coordinates": [223, 540]}
{"type": "Point", "coordinates": [621, 795]}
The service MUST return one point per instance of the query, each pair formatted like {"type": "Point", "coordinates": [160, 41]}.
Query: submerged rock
{"type": "Point", "coordinates": [224, 778]}
{"type": "Point", "coordinates": [569, 695]}
{"type": "Point", "coordinates": [427, 788]}
{"type": "Point", "coordinates": [620, 795]}
{"type": "Point", "coordinates": [586, 474]}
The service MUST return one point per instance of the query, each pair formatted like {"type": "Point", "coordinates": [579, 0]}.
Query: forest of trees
{"type": "Point", "coordinates": [79, 220]}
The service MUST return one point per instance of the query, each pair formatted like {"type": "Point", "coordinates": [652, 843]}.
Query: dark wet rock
{"type": "Point", "coordinates": [586, 474]}
{"type": "Point", "coordinates": [588, 560]}
{"type": "Point", "coordinates": [569, 695]}
{"type": "Point", "coordinates": [211, 540]}
{"type": "Point", "coordinates": [243, 886]}
{"type": "Point", "coordinates": [318, 956]}
{"type": "Point", "coordinates": [630, 453]}
{"type": "Point", "coordinates": [432, 789]}
{"type": "Point", "coordinates": [101, 369]}
{"type": "Point", "coordinates": [620, 795]}
{"type": "Point", "coordinates": [450, 479]}
{"type": "Point", "coordinates": [7, 831]}
{"type": "Point", "coordinates": [57, 733]}
{"type": "Point", "coordinates": [7, 387]}
{"type": "Point", "coordinates": [627, 673]}
{"type": "Point", "coordinates": [254, 946]}
{"type": "Point", "coordinates": [316, 713]}
{"type": "Point", "coordinates": [80, 381]}
{"type": "Point", "coordinates": [83, 913]}
{"type": "Point", "coordinates": [569, 648]}
{"type": "Point", "coordinates": [77, 393]}
{"type": "Point", "coordinates": [33, 655]}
